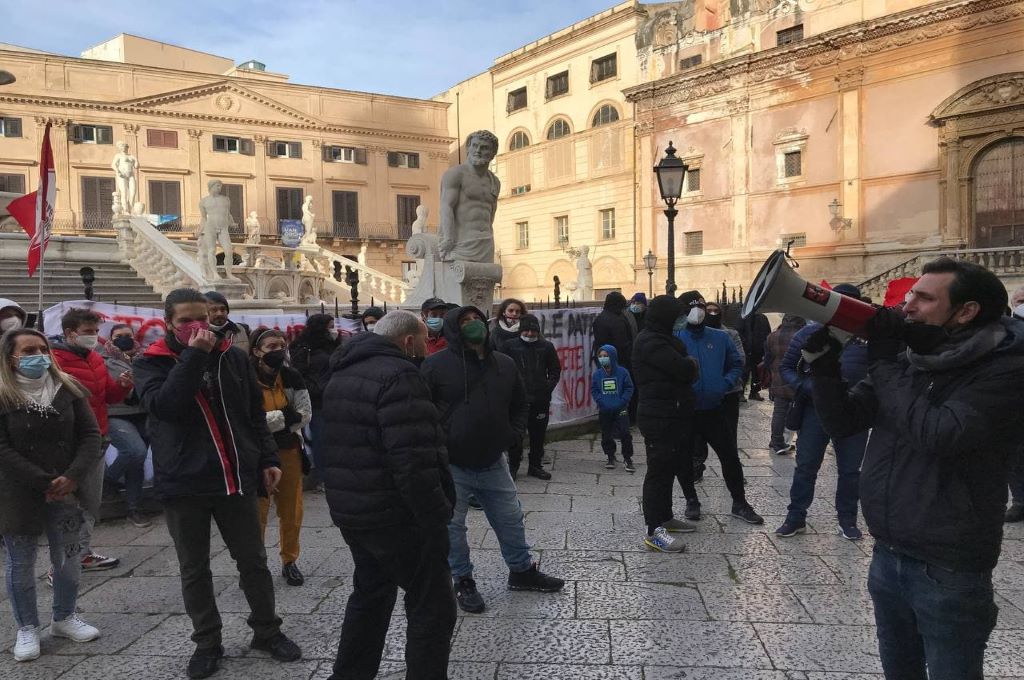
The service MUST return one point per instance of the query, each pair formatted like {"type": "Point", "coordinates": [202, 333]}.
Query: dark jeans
{"type": "Point", "coordinates": [780, 409]}
{"type": "Point", "coordinates": [537, 417]}
{"type": "Point", "coordinates": [128, 435]}
{"type": "Point", "coordinates": [810, 452]}
{"type": "Point", "coordinates": [1017, 479]}
{"type": "Point", "coordinates": [238, 519]}
{"type": "Point", "coordinates": [417, 562]}
{"type": "Point", "coordinates": [615, 425]}
{"type": "Point", "coordinates": [751, 373]}
{"type": "Point", "coordinates": [731, 408]}
{"type": "Point", "coordinates": [930, 617]}
{"type": "Point", "coordinates": [717, 429]}
{"type": "Point", "coordinates": [665, 458]}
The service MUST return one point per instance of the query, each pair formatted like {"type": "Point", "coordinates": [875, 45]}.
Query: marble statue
{"type": "Point", "coordinates": [469, 197]}
{"type": "Point", "coordinates": [584, 275]}
{"type": "Point", "coordinates": [420, 224]}
{"type": "Point", "coordinates": [308, 228]}
{"type": "Point", "coordinates": [361, 257]}
{"type": "Point", "coordinates": [116, 207]}
{"type": "Point", "coordinates": [124, 166]}
{"type": "Point", "coordinates": [215, 225]}
{"type": "Point", "coordinates": [252, 229]}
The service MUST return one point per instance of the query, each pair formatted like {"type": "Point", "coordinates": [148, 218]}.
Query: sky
{"type": "Point", "coordinates": [410, 48]}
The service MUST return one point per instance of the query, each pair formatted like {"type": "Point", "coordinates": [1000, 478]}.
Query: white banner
{"type": "Point", "coordinates": [571, 332]}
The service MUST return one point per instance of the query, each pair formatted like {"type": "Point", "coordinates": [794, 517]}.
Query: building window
{"type": "Point", "coordinates": [403, 159]}
{"type": "Point", "coordinates": [520, 190]}
{"type": "Point", "coordinates": [279, 149]}
{"type": "Point", "coordinates": [346, 213]}
{"type": "Point", "coordinates": [692, 181]}
{"type": "Point", "coordinates": [238, 145]}
{"type": "Point", "coordinates": [92, 134]}
{"type": "Point", "coordinates": [789, 147]}
{"type": "Point", "coordinates": [236, 194]}
{"type": "Point", "coordinates": [164, 139]}
{"type": "Point", "coordinates": [407, 214]}
{"type": "Point", "coordinates": [13, 184]}
{"type": "Point", "coordinates": [789, 36]}
{"type": "Point", "coordinates": [516, 100]}
{"type": "Point", "coordinates": [519, 140]}
{"type": "Point", "coordinates": [165, 199]}
{"type": "Point", "coordinates": [562, 230]}
{"type": "Point", "coordinates": [289, 204]}
{"type": "Point", "coordinates": [344, 154]}
{"type": "Point", "coordinates": [559, 129]}
{"type": "Point", "coordinates": [794, 163]}
{"type": "Point", "coordinates": [557, 85]}
{"type": "Point", "coordinates": [605, 115]}
{"type": "Point", "coordinates": [10, 127]}
{"type": "Point", "coordinates": [693, 242]}
{"type": "Point", "coordinates": [604, 68]}
{"type": "Point", "coordinates": [607, 223]}
{"type": "Point", "coordinates": [798, 240]}
{"type": "Point", "coordinates": [690, 62]}
{"type": "Point", "coordinates": [522, 235]}
{"type": "Point", "coordinates": [998, 189]}
{"type": "Point", "coordinates": [96, 202]}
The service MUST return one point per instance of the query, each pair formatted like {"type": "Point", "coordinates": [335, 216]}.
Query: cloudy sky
{"type": "Point", "coordinates": [405, 47]}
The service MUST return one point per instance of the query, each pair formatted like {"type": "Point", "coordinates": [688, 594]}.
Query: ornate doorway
{"type": "Point", "coordinates": [998, 182]}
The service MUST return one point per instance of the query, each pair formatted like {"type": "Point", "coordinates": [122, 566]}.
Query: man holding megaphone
{"type": "Point", "coordinates": [944, 377]}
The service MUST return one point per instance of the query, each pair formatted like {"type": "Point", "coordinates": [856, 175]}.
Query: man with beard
{"type": "Point", "coordinates": [222, 326]}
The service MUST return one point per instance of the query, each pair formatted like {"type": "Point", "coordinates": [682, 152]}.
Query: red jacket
{"type": "Point", "coordinates": [435, 343]}
{"type": "Point", "coordinates": [88, 368]}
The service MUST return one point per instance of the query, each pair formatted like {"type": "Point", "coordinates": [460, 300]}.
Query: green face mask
{"type": "Point", "coordinates": [474, 332]}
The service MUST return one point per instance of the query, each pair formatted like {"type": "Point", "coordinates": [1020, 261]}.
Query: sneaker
{"type": "Point", "coordinates": [747, 514]}
{"type": "Point", "coordinates": [95, 562]}
{"type": "Point", "coordinates": [75, 629]}
{"type": "Point", "coordinates": [539, 473]}
{"type": "Point", "coordinates": [678, 526]}
{"type": "Point", "coordinates": [279, 646]}
{"type": "Point", "coordinates": [474, 503]}
{"type": "Point", "coordinates": [27, 646]}
{"type": "Point", "coordinates": [610, 465]}
{"type": "Point", "coordinates": [139, 520]}
{"type": "Point", "coordinates": [1015, 513]}
{"type": "Point", "coordinates": [205, 662]}
{"type": "Point", "coordinates": [468, 596]}
{"type": "Point", "coordinates": [789, 529]}
{"type": "Point", "coordinates": [662, 541]}
{"type": "Point", "coordinates": [850, 532]}
{"type": "Point", "coordinates": [629, 466]}
{"type": "Point", "coordinates": [692, 510]}
{"type": "Point", "coordinates": [292, 575]}
{"type": "Point", "coordinates": [783, 451]}
{"type": "Point", "coordinates": [534, 579]}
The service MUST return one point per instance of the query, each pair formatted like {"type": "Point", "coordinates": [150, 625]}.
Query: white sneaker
{"type": "Point", "coordinates": [662, 541]}
{"type": "Point", "coordinates": [27, 646]}
{"type": "Point", "coordinates": [75, 629]}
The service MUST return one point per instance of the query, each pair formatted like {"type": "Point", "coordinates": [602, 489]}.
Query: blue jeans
{"type": "Point", "coordinates": [128, 435]}
{"type": "Point", "coordinates": [810, 452]}
{"type": "Point", "coordinates": [930, 617]}
{"type": "Point", "coordinates": [494, 488]}
{"type": "Point", "coordinates": [63, 521]}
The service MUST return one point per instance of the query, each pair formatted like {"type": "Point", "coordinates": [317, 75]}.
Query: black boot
{"type": "Point", "coordinates": [205, 662]}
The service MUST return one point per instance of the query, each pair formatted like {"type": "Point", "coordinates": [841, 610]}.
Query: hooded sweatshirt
{"type": "Point", "coordinates": [5, 303]}
{"type": "Point", "coordinates": [482, 402]}
{"type": "Point", "coordinates": [664, 372]}
{"type": "Point", "coordinates": [611, 327]}
{"type": "Point", "coordinates": [612, 390]}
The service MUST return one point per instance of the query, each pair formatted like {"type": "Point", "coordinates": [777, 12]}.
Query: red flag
{"type": "Point", "coordinates": [34, 211]}
{"type": "Point", "coordinates": [825, 284]}
{"type": "Point", "coordinates": [896, 291]}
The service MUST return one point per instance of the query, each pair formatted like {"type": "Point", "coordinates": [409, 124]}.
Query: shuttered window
{"type": "Point", "coordinates": [289, 203]}
{"type": "Point", "coordinates": [603, 68]}
{"type": "Point", "coordinates": [165, 199]}
{"type": "Point", "coordinates": [693, 243]}
{"type": "Point", "coordinates": [403, 159]}
{"type": "Point", "coordinates": [280, 149]}
{"type": "Point", "coordinates": [236, 194]}
{"type": "Point", "coordinates": [10, 127]}
{"type": "Point", "coordinates": [344, 154]}
{"type": "Point", "coordinates": [557, 84]}
{"type": "Point", "coordinates": [14, 184]}
{"type": "Point", "coordinates": [346, 213]}
{"type": "Point", "coordinates": [789, 36]}
{"type": "Point", "coordinates": [164, 139]}
{"type": "Point", "coordinates": [92, 134]}
{"type": "Point", "coordinates": [96, 199]}
{"type": "Point", "coordinates": [516, 100]}
{"type": "Point", "coordinates": [406, 214]}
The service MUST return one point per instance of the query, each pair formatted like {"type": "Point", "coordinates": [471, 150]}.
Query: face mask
{"type": "Point", "coordinates": [512, 326]}
{"type": "Point", "coordinates": [184, 332]}
{"type": "Point", "coordinates": [435, 324]}
{"type": "Point", "coordinates": [713, 321]}
{"type": "Point", "coordinates": [10, 323]}
{"type": "Point", "coordinates": [275, 359]}
{"type": "Point", "coordinates": [636, 309]}
{"type": "Point", "coordinates": [604, 361]}
{"type": "Point", "coordinates": [923, 338]}
{"type": "Point", "coordinates": [87, 341]}
{"type": "Point", "coordinates": [123, 342]}
{"type": "Point", "coordinates": [333, 332]}
{"type": "Point", "coordinates": [370, 327]}
{"type": "Point", "coordinates": [217, 328]}
{"type": "Point", "coordinates": [34, 366]}
{"type": "Point", "coordinates": [525, 338]}
{"type": "Point", "coordinates": [474, 332]}
{"type": "Point", "coordinates": [695, 317]}
{"type": "Point", "coordinates": [1018, 312]}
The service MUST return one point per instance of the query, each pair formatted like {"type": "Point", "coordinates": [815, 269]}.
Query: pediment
{"type": "Point", "coordinates": [1001, 91]}
{"type": "Point", "coordinates": [224, 99]}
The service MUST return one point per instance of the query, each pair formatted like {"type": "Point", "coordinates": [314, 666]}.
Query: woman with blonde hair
{"type": "Point", "coordinates": [49, 441]}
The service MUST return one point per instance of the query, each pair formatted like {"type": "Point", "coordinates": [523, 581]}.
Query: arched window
{"type": "Point", "coordinates": [999, 195]}
{"type": "Point", "coordinates": [605, 115]}
{"type": "Point", "coordinates": [559, 129]}
{"type": "Point", "coordinates": [520, 140]}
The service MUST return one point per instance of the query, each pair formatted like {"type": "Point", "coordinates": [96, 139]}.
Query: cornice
{"type": "Point", "coordinates": [214, 88]}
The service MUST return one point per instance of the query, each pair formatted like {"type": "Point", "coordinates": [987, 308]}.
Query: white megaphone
{"type": "Point", "coordinates": [777, 288]}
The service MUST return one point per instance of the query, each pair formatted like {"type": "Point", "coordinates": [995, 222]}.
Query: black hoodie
{"type": "Point", "coordinates": [663, 371]}
{"type": "Point", "coordinates": [482, 401]}
{"type": "Point", "coordinates": [611, 327]}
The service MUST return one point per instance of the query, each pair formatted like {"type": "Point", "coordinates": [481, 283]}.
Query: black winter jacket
{"type": "Point", "coordinates": [538, 364]}
{"type": "Point", "coordinates": [754, 331]}
{"type": "Point", "coordinates": [312, 359]}
{"type": "Point", "coordinates": [482, 401]}
{"type": "Point", "coordinates": [384, 459]}
{"type": "Point", "coordinates": [202, 448]}
{"type": "Point", "coordinates": [663, 372]}
{"type": "Point", "coordinates": [612, 328]}
{"type": "Point", "coordinates": [933, 482]}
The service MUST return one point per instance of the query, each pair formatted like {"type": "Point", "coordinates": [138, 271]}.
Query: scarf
{"type": "Point", "coordinates": [961, 349]}
{"type": "Point", "coordinates": [40, 391]}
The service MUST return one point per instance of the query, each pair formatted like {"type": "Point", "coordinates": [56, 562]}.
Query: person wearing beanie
{"type": "Point", "coordinates": [223, 327]}
{"type": "Point", "coordinates": [432, 312]}
{"type": "Point", "coordinates": [638, 308]}
{"type": "Point", "coordinates": [615, 326]}
{"type": "Point", "coordinates": [663, 373]}
{"type": "Point", "coordinates": [370, 317]}
{"type": "Point", "coordinates": [721, 368]}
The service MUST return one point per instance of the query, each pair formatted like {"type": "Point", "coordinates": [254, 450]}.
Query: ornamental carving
{"type": "Point", "coordinates": [438, 155]}
{"type": "Point", "coordinates": [738, 106]}
{"type": "Point", "coordinates": [131, 128]}
{"type": "Point", "coordinates": [195, 134]}
{"type": "Point", "coordinates": [997, 92]}
{"type": "Point", "coordinates": [644, 127]}
{"type": "Point", "coordinates": [849, 79]}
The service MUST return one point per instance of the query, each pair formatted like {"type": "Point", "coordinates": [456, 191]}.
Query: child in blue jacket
{"type": "Point", "coordinates": [611, 388]}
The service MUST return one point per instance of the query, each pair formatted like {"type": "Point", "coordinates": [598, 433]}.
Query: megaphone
{"type": "Point", "coordinates": [777, 288]}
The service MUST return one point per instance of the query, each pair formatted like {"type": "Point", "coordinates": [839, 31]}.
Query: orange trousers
{"type": "Point", "coordinates": [288, 500]}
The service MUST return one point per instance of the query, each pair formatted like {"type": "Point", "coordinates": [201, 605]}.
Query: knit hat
{"type": "Point", "coordinates": [528, 322]}
{"type": "Point", "coordinates": [639, 297]}
{"type": "Point", "coordinates": [847, 289]}
{"type": "Point", "coordinates": [687, 299]}
{"type": "Point", "coordinates": [215, 298]}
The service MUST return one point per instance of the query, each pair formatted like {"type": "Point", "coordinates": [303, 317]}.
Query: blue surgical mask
{"type": "Point", "coordinates": [636, 309]}
{"type": "Point", "coordinates": [435, 323]}
{"type": "Point", "coordinates": [34, 365]}
{"type": "Point", "coordinates": [604, 361]}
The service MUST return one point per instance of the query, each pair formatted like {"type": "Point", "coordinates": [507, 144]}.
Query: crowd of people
{"type": "Point", "coordinates": [418, 418]}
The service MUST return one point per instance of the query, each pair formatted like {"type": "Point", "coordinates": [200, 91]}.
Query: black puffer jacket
{"type": "Point", "coordinates": [482, 401]}
{"type": "Point", "coordinates": [311, 357]}
{"type": "Point", "coordinates": [537, 362]}
{"type": "Point", "coordinates": [385, 463]}
{"type": "Point", "coordinates": [933, 482]}
{"type": "Point", "coordinates": [611, 327]}
{"type": "Point", "coordinates": [663, 372]}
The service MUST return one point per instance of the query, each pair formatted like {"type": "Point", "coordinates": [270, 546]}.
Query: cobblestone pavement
{"type": "Point", "coordinates": [739, 604]}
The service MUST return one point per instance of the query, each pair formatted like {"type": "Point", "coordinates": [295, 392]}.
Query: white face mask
{"type": "Point", "coordinates": [370, 327]}
{"type": "Point", "coordinates": [1018, 311]}
{"type": "Point", "coordinates": [10, 323]}
{"type": "Point", "coordinates": [87, 341]}
{"type": "Point", "coordinates": [514, 327]}
{"type": "Point", "coordinates": [527, 339]}
{"type": "Point", "coordinates": [333, 332]}
{"type": "Point", "coordinates": [695, 317]}
{"type": "Point", "coordinates": [220, 327]}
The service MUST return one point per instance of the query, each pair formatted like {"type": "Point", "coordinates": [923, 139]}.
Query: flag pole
{"type": "Point", "coordinates": [42, 259]}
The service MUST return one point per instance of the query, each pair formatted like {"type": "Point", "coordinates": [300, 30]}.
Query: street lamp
{"type": "Point", "coordinates": [670, 172]}
{"type": "Point", "coordinates": [650, 261]}
{"type": "Point", "coordinates": [838, 222]}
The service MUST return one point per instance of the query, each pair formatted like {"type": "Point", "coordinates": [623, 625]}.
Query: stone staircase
{"type": "Point", "coordinates": [115, 283]}
{"type": "Point", "coordinates": [1007, 263]}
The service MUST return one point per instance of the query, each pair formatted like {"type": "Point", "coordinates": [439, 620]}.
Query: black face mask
{"type": "Point", "coordinates": [713, 320]}
{"type": "Point", "coordinates": [123, 342]}
{"type": "Point", "coordinates": [275, 359]}
{"type": "Point", "coordinates": [924, 338]}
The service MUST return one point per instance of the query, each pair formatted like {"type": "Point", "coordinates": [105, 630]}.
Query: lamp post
{"type": "Point", "coordinates": [670, 173]}
{"type": "Point", "coordinates": [838, 222]}
{"type": "Point", "coordinates": [650, 261]}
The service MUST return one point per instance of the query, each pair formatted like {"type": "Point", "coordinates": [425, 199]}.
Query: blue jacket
{"type": "Point", "coordinates": [721, 366]}
{"type": "Point", "coordinates": [854, 361]}
{"type": "Point", "coordinates": [612, 392]}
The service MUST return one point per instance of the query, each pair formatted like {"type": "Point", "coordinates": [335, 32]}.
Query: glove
{"type": "Point", "coordinates": [291, 416]}
{"type": "Point", "coordinates": [885, 334]}
{"type": "Point", "coordinates": [821, 352]}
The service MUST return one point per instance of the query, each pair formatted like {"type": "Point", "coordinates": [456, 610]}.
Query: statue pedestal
{"type": "Point", "coordinates": [458, 282]}
{"type": "Point", "coordinates": [232, 290]}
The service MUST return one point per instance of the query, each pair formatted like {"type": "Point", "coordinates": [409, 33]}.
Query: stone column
{"type": "Point", "coordinates": [195, 190]}
{"type": "Point", "coordinates": [955, 229]}
{"type": "Point", "coordinates": [850, 81]}
{"type": "Point", "coordinates": [264, 190]}
{"type": "Point", "coordinates": [64, 211]}
{"type": "Point", "coordinates": [739, 111]}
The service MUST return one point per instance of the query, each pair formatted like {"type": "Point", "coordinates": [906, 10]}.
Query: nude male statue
{"type": "Point", "coordinates": [215, 225]}
{"type": "Point", "coordinates": [124, 166]}
{"type": "Point", "coordinates": [469, 197]}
